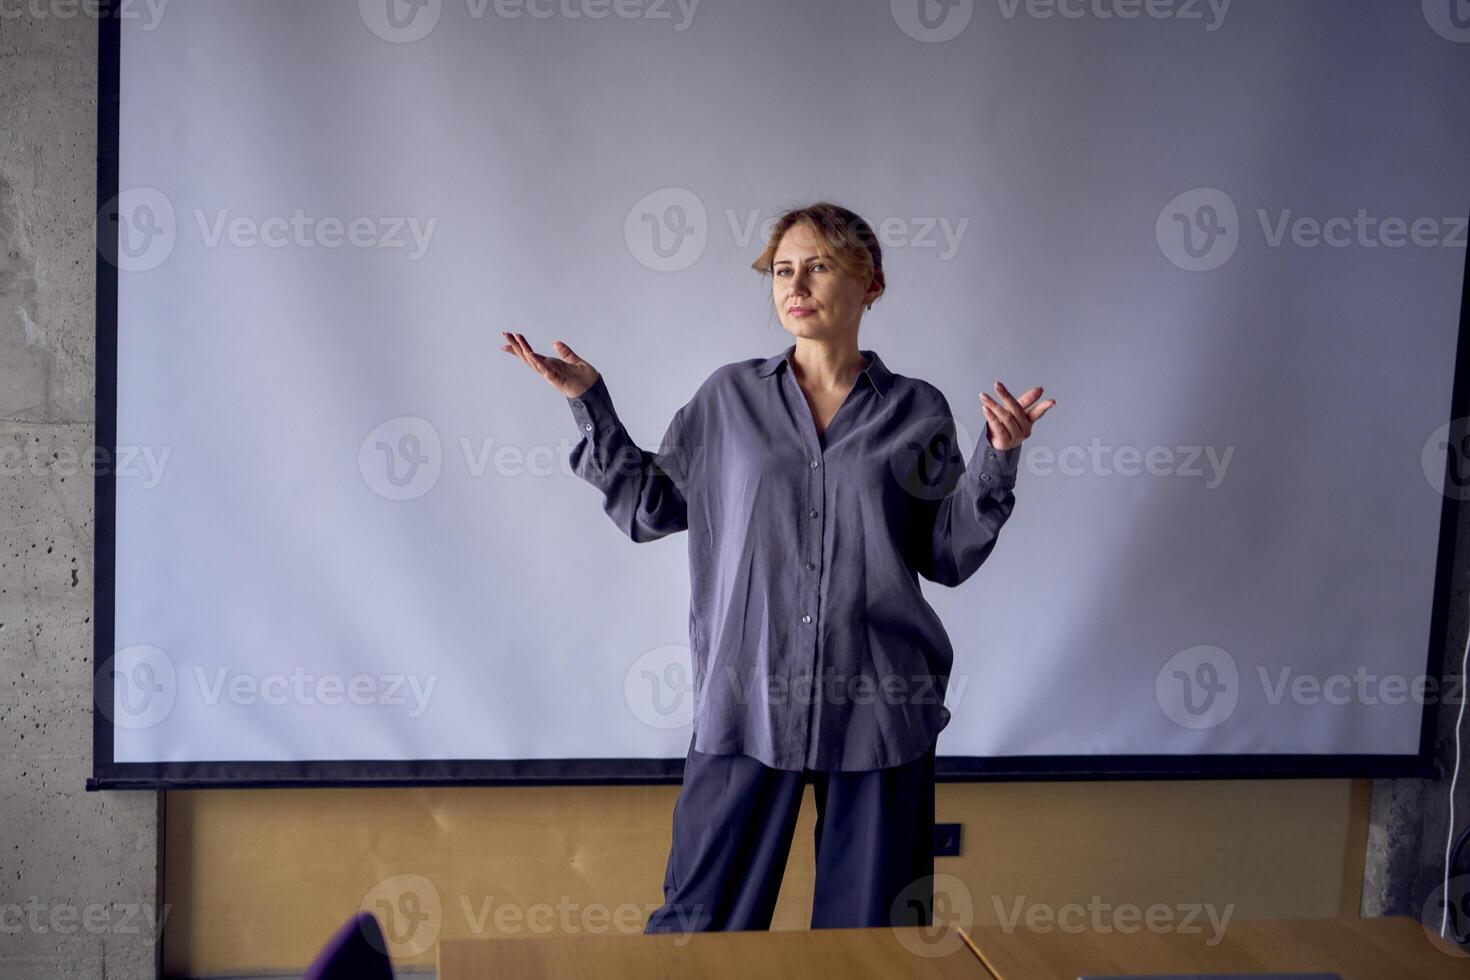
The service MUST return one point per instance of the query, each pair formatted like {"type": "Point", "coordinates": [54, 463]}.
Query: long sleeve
{"type": "Point", "coordinates": [643, 493]}
{"type": "Point", "coordinates": [959, 523]}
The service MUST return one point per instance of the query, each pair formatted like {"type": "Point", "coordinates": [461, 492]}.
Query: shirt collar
{"type": "Point", "coordinates": [876, 372]}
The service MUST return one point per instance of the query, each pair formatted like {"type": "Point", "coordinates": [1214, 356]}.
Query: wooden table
{"type": "Point", "coordinates": [1390, 948]}
{"type": "Point", "coordinates": [1387, 948]}
{"type": "Point", "coordinates": [940, 953]}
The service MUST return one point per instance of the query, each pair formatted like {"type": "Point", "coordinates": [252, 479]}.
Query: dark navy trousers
{"type": "Point", "coordinates": [733, 824]}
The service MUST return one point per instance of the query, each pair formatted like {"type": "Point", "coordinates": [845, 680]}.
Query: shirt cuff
{"type": "Point", "coordinates": [997, 467]}
{"type": "Point", "coordinates": [593, 408]}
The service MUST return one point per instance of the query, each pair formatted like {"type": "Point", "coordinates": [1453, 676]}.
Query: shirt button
{"type": "Point", "coordinates": [985, 477]}
{"type": "Point", "coordinates": [807, 618]}
{"type": "Point", "coordinates": [810, 565]}
{"type": "Point", "coordinates": [814, 513]}
{"type": "Point", "coordinates": [577, 402]}
{"type": "Point", "coordinates": [814, 464]}
{"type": "Point", "coordinates": [587, 426]}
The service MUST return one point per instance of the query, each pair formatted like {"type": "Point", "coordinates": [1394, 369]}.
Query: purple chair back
{"type": "Point", "coordinates": [356, 951]}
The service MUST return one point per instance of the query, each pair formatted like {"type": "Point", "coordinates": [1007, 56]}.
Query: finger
{"type": "Point", "coordinates": [1009, 400]}
{"type": "Point", "coordinates": [520, 349]}
{"type": "Point", "coordinates": [1001, 410]}
{"type": "Point", "coordinates": [1030, 396]}
{"type": "Point", "coordinates": [998, 435]}
{"type": "Point", "coordinates": [567, 353]}
{"type": "Point", "coordinates": [552, 369]}
{"type": "Point", "coordinates": [1003, 420]}
{"type": "Point", "coordinates": [1037, 411]}
{"type": "Point", "coordinates": [1012, 410]}
{"type": "Point", "coordinates": [536, 360]}
{"type": "Point", "coordinates": [514, 347]}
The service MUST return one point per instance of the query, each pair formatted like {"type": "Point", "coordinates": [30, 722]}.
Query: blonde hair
{"type": "Point", "coordinates": [849, 239]}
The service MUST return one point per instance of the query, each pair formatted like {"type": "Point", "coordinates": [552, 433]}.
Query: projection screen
{"type": "Point", "coordinates": [338, 538]}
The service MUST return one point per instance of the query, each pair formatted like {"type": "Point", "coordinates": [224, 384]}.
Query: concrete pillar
{"type": "Point", "coordinates": [1404, 870]}
{"type": "Point", "coordinates": [79, 887]}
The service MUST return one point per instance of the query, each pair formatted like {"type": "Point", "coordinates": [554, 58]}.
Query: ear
{"type": "Point", "coordinates": [878, 285]}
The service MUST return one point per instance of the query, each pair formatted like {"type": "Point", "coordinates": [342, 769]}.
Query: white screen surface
{"type": "Point", "coordinates": [1235, 490]}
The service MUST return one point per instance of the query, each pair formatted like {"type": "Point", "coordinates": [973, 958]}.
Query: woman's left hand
{"type": "Point", "coordinates": [1011, 420]}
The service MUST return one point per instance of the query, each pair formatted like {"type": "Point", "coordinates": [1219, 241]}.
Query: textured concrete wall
{"type": "Point", "coordinates": [78, 870]}
{"type": "Point", "coordinates": [1404, 872]}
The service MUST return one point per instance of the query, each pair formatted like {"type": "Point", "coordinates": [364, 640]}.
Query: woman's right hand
{"type": "Point", "coordinates": [568, 374]}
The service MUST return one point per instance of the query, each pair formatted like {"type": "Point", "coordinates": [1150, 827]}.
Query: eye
{"type": "Point", "coordinates": [814, 265]}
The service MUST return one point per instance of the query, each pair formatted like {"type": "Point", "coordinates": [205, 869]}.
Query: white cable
{"type": "Point", "coordinates": [1450, 837]}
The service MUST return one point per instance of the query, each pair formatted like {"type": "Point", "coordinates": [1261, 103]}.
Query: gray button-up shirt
{"type": "Point", "coordinates": [811, 642]}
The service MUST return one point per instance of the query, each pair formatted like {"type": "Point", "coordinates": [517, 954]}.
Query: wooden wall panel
{"type": "Point", "coordinates": [257, 879]}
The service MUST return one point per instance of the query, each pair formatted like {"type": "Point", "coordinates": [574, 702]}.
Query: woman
{"type": "Point", "coordinates": [817, 486]}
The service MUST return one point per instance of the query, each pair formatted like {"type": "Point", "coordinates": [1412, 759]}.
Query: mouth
{"type": "Point", "coordinates": [800, 310]}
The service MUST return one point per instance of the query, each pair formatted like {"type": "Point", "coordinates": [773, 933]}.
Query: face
{"type": "Point", "coordinates": [813, 297]}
